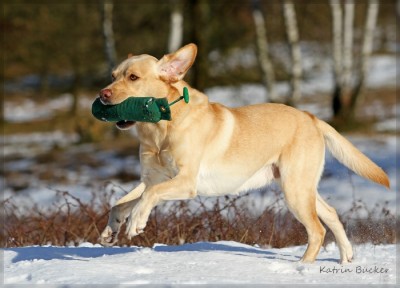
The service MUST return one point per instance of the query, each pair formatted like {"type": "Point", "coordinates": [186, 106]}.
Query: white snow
{"type": "Point", "coordinates": [31, 144]}
{"type": "Point", "coordinates": [29, 110]}
{"type": "Point", "coordinates": [205, 263]}
{"type": "Point", "coordinates": [382, 71]}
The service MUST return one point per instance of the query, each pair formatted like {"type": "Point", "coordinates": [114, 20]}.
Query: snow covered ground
{"type": "Point", "coordinates": [206, 263]}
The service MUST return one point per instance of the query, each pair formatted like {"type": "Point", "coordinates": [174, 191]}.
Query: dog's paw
{"type": "Point", "coordinates": [135, 226]}
{"type": "Point", "coordinates": [108, 237]}
{"type": "Point", "coordinates": [133, 229]}
{"type": "Point", "coordinates": [138, 219]}
{"type": "Point", "coordinates": [134, 232]}
{"type": "Point", "coordinates": [346, 255]}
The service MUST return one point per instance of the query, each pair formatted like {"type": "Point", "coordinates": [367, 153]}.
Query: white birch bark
{"type": "Point", "coordinates": [370, 24]}
{"type": "Point", "coordinates": [176, 28]}
{"type": "Point", "coordinates": [263, 55]}
{"type": "Point", "coordinates": [108, 34]}
{"type": "Point", "coordinates": [293, 39]}
{"type": "Point", "coordinates": [347, 46]}
{"type": "Point", "coordinates": [367, 45]}
{"type": "Point", "coordinates": [337, 41]}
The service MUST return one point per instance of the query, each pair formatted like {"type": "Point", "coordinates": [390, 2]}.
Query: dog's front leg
{"type": "Point", "coordinates": [118, 215]}
{"type": "Point", "coordinates": [178, 188]}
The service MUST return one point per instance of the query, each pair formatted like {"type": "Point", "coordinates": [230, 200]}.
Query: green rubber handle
{"type": "Point", "coordinates": [186, 94]}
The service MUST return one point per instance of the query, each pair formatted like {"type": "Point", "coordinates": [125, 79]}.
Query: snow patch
{"type": "Point", "coordinates": [207, 263]}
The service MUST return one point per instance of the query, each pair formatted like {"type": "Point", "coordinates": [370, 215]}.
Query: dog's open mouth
{"type": "Point", "coordinates": [125, 124]}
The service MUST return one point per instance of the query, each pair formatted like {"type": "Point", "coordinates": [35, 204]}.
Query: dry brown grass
{"type": "Point", "coordinates": [73, 222]}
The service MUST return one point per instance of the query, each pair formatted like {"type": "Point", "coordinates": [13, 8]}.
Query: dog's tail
{"type": "Point", "coordinates": [350, 156]}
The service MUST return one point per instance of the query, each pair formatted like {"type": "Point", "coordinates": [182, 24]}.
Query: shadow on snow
{"type": "Point", "coordinates": [66, 253]}
{"type": "Point", "coordinates": [85, 253]}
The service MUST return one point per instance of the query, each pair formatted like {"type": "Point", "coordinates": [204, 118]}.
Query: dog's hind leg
{"type": "Point", "coordinates": [301, 202]}
{"type": "Point", "coordinates": [300, 168]}
{"type": "Point", "coordinates": [331, 219]}
{"type": "Point", "coordinates": [119, 214]}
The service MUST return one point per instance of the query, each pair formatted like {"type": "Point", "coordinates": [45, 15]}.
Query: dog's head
{"type": "Point", "coordinates": [144, 75]}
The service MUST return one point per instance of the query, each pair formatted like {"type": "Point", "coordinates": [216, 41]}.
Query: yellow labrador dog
{"type": "Point", "coordinates": [211, 150]}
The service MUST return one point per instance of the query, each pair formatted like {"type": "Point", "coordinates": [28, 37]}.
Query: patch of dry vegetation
{"type": "Point", "coordinates": [73, 222]}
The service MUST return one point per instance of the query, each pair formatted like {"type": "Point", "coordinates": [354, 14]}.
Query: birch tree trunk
{"type": "Point", "coordinates": [176, 27]}
{"type": "Point", "coordinates": [77, 12]}
{"type": "Point", "coordinates": [108, 34]}
{"type": "Point", "coordinates": [337, 55]}
{"type": "Point", "coordinates": [345, 97]}
{"type": "Point", "coordinates": [347, 52]}
{"type": "Point", "coordinates": [293, 39]}
{"type": "Point", "coordinates": [267, 69]}
{"type": "Point", "coordinates": [367, 45]}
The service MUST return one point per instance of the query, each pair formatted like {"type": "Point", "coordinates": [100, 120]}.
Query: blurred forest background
{"type": "Point", "coordinates": [334, 58]}
{"type": "Point", "coordinates": [70, 46]}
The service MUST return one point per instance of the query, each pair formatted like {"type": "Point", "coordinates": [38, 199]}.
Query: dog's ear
{"type": "Point", "coordinates": [173, 67]}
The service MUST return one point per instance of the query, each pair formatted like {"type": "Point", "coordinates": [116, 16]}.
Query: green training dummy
{"type": "Point", "coordinates": [142, 109]}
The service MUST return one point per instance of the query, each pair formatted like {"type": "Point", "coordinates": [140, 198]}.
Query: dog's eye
{"type": "Point", "coordinates": [133, 77]}
{"type": "Point", "coordinates": [112, 78]}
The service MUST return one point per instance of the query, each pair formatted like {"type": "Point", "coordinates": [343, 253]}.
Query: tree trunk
{"type": "Point", "coordinates": [347, 54]}
{"type": "Point", "coordinates": [398, 9]}
{"type": "Point", "coordinates": [176, 30]}
{"type": "Point", "coordinates": [293, 39]}
{"type": "Point", "coordinates": [398, 12]}
{"type": "Point", "coordinates": [2, 119]}
{"type": "Point", "coordinates": [343, 57]}
{"type": "Point", "coordinates": [108, 34]}
{"type": "Point", "coordinates": [267, 69]}
{"type": "Point", "coordinates": [77, 13]}
{"type": "Point", "coordinates": [370, 24]}
{"type": "Point", "coordinates": [200, 11]}
{"type": "Point", "coordinates": [337, 55]}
